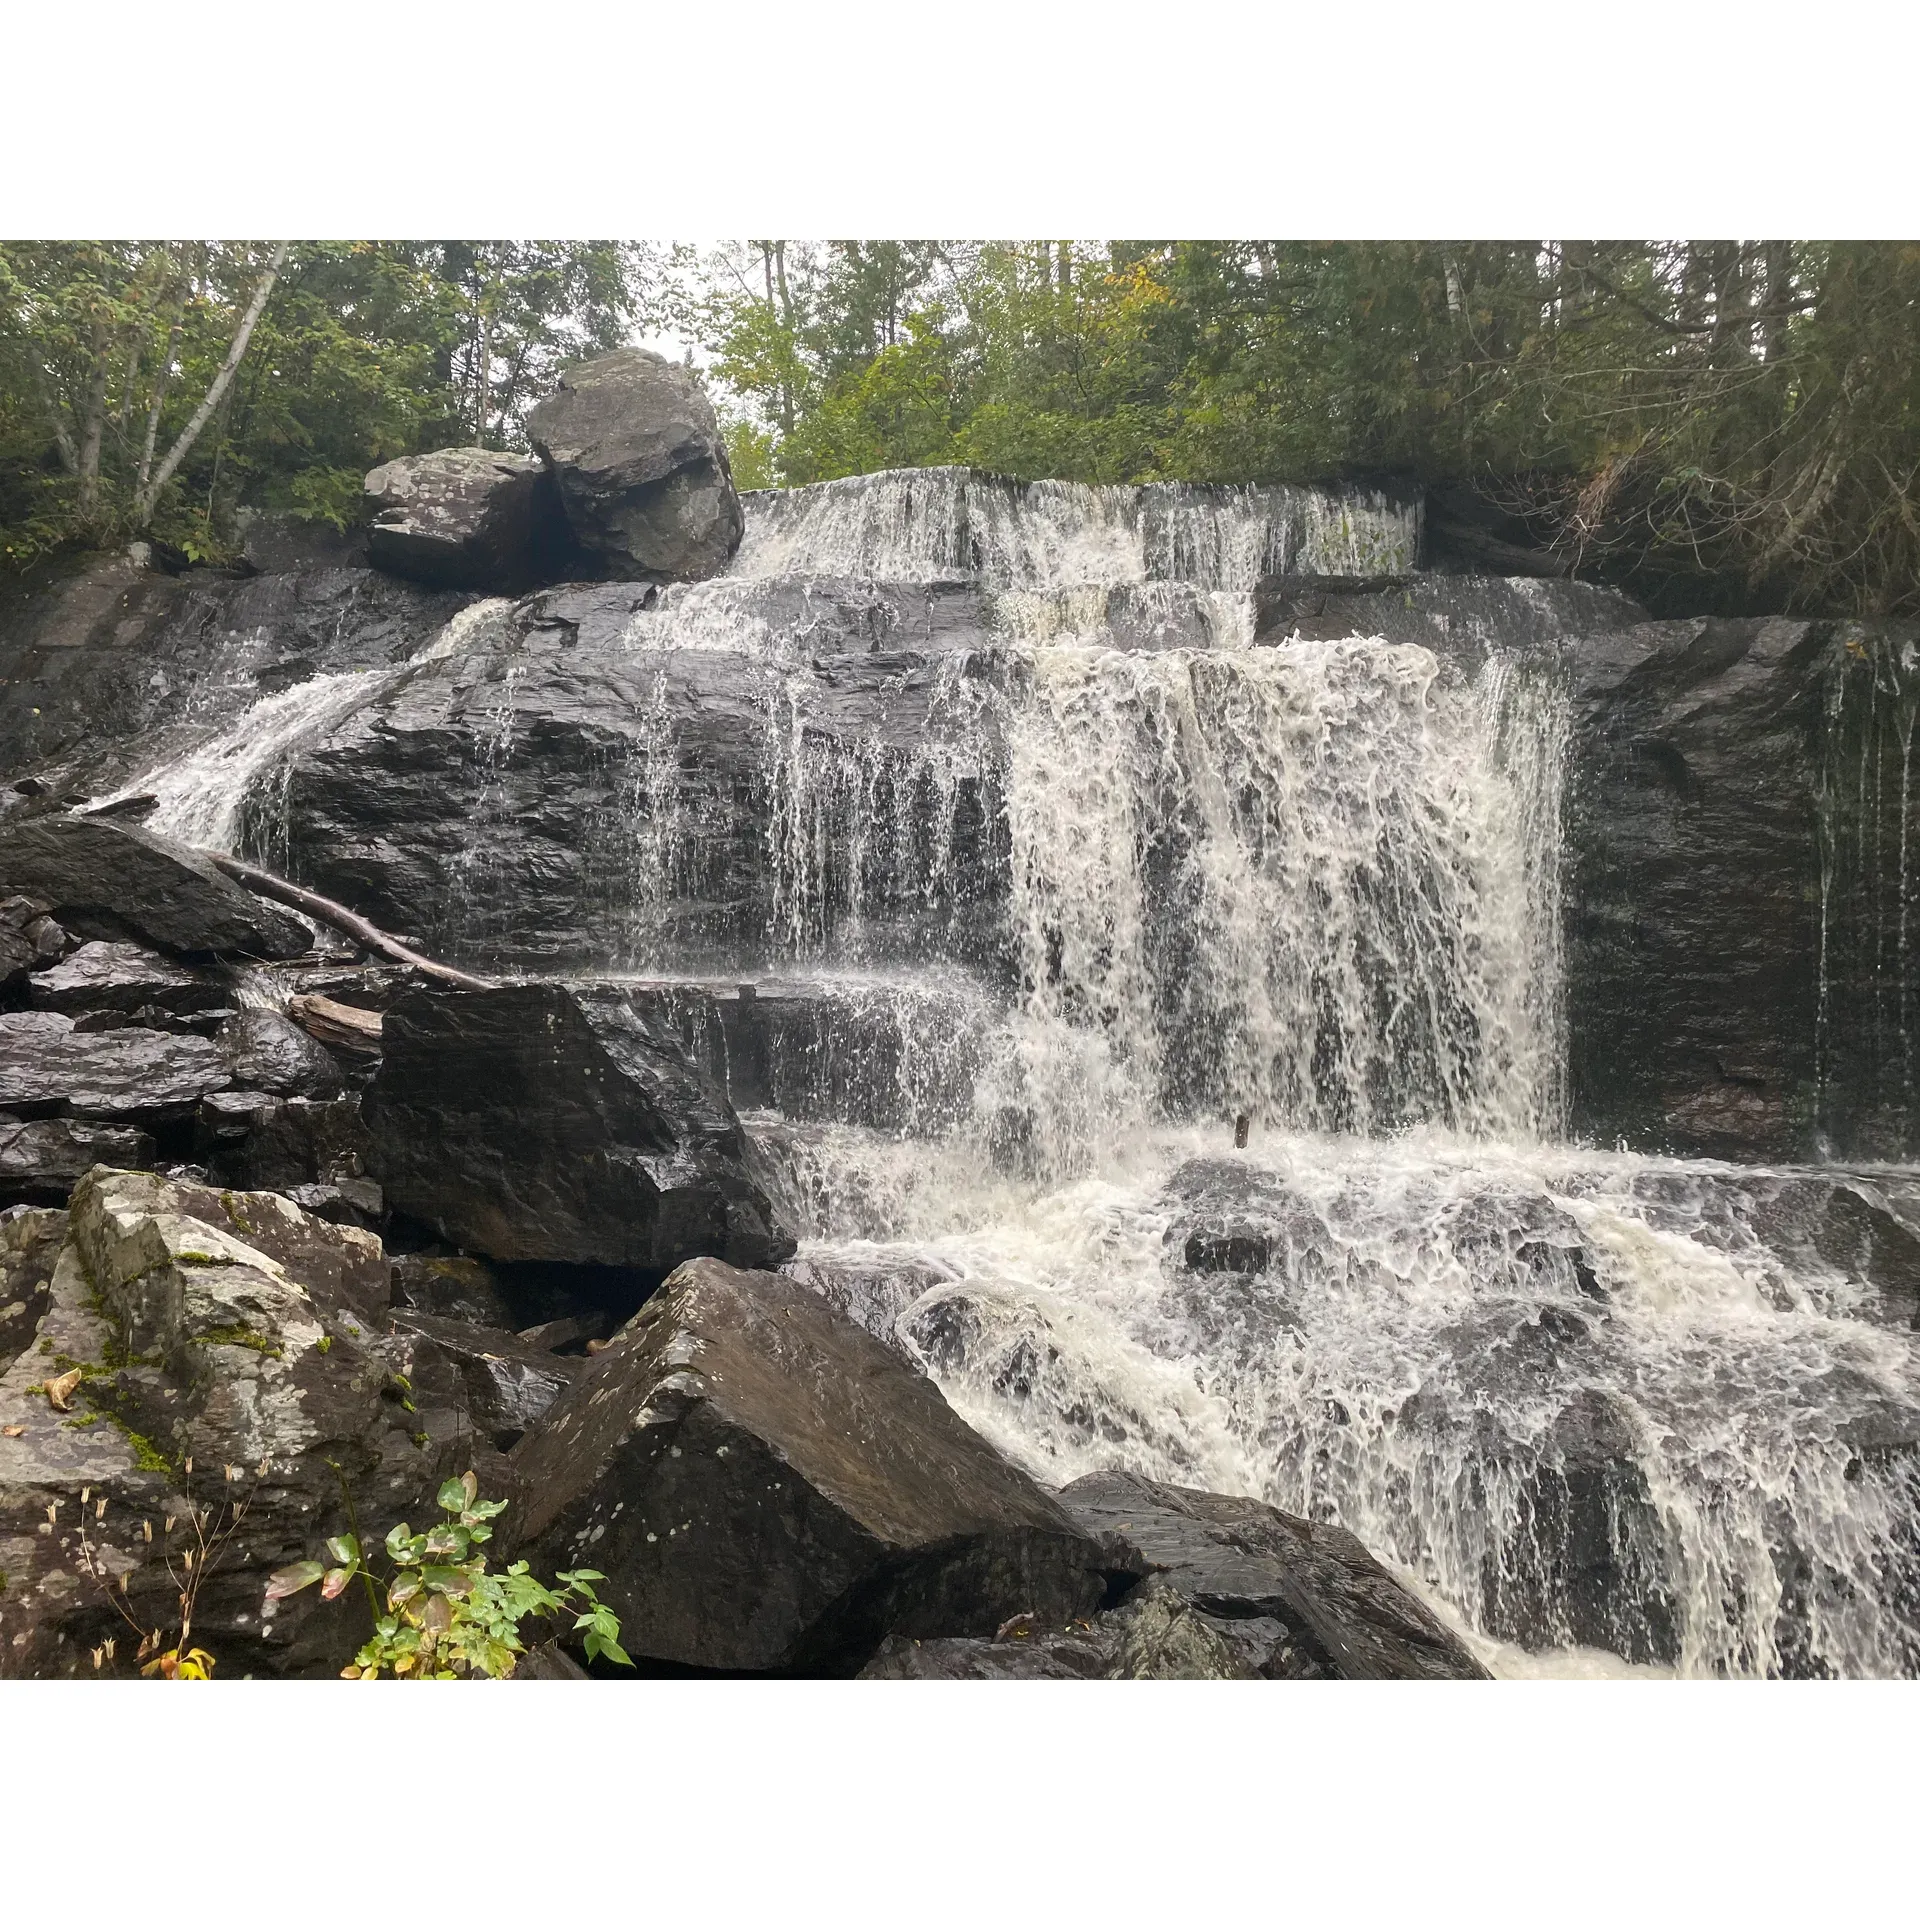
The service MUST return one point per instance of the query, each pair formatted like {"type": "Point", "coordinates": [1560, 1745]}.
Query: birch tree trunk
{"type": "Point", "coordinates": [150, 493]}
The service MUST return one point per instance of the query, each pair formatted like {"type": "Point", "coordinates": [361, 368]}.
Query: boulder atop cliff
{"type": "Point", "coordinates": [524, 1124]}
{"type": "Point", "coordinates": [768, 1488]}
{"type": "Point", "coordinates": [643, 476]}
{"type": "Point", "coordinates": [105, 880]}
{"type": "Point", "coordinates": [466, 517]}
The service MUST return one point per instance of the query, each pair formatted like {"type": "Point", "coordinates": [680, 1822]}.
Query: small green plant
{"type": "Point", "coordinates": [442, 1615]}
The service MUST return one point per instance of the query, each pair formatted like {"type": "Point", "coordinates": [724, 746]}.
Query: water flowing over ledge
{"type": "Point", "coordinates": [998, 854]}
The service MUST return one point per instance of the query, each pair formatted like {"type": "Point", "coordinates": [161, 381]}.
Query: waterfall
{"type": "Point", "coordinates": [942, 523]}
{"type": "Point", "coordinates": [1303, 883]}
{"type": "Point", "coordinates": [978, 841]}
{"type": "Point", "coordinates": [204, 793]}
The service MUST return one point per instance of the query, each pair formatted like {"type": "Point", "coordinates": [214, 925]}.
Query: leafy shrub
{"type": "Point", "coordinates": [442, 1615]}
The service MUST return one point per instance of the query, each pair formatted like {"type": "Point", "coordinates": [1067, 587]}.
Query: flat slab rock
{"type": "Point", "coordinates": [1241, 1559]}
{"type": "Point", "coordinates": [768, 1488]}
{"type": "Point", "coordinates": [122, 975]}
{"type": "Point", "coordinates": [40, 1158]}
{"type": "Point", "coordinates": [108, 881]}
{"type": "Point", "coordinates": [47, 1069]}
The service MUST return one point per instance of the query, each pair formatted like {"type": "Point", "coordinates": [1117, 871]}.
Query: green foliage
{"type": "Point", "coordinates": [365, 350]}
{"type": "Point", "coordinates": [443, 1615]}
{"type": "Point", "coordinates": [1706, 422]}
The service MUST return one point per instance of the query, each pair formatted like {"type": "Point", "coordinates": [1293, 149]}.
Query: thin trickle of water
{"type": "Point", "coordinates": [1867, 1000]}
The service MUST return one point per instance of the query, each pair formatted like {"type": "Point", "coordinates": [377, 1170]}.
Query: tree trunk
{"type": "Point", "coordinates": [786, 324]}
{"type": "Point", "coordinates": [222, 380]}
{"type": "Point", "coordinates": [160, 386]}
{"type": "Point", "coordinates": [93, 419]}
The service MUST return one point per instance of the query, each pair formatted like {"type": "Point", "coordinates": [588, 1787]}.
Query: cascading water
{"type": "Point", "coordinates": [1036, 874]}
{"type": "Point", "coordinates": [205, 795]}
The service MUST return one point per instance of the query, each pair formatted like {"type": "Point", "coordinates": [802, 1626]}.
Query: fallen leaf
{"type": "Point", "coordinates": [12, 1433]}
{"type": "Point", "coordinates": [59, 1390]}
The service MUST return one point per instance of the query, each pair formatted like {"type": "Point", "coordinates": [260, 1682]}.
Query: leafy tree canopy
{"type": "Point", "coordinates": [1709, 423]}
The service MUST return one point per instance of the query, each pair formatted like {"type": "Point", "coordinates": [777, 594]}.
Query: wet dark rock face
{"type": "Point", "coordinates": [104, 881]}
{"type": "Point", "coordinates": [770, 1489]}
{"type": "Point", "coordinates": [106, 666]}
{"type": "Point", "coordinates": [1695, 883]}
{"type": "Point", "coordinates": [527, 1124]}
{"type": "Point", "coordinates": [503, 804]}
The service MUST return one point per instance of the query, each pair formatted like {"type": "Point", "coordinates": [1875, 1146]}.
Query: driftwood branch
{"type": "Point", "coordinates": [319, 907]}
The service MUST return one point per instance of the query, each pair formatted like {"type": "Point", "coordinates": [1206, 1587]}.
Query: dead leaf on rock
{"type": "Point", "coordinates": [12, 1433]}
{"type": "Point", "coordinates": [59, 1391]}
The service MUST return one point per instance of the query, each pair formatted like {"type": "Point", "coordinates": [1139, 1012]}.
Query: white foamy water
{"type": "Point", "coordinates": [943, 523]}
{"type": "Point", "coordinates": [1473, 1356]}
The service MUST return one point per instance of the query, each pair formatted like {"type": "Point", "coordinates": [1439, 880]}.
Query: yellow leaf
{"type": "Point", "coordinates": [59, 1390]}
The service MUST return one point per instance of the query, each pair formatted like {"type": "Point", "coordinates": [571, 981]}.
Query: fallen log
{"type": "Point", "coordinates": [335, 1024]}
{"type": "Point", "coordinates": [343, 918]}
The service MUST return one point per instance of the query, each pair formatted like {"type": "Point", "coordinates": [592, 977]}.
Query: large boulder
{"type": "Point", "coordinates": [1236, 1559]}
{"type": "Point", "coordinates": [220, 1382]}
{"type": "Point", "coordinates": [49, 1069]}
{"type": "Point", "coordinates": [466, 517]}
{"type": "Point", "coordinates": [265, 1050]}
{"type": "Point", "coordinates": [108, 881]}
{"type": "Point", "coordinates": [526, 1124]}
{"type": "Point", "coordinates": [768, 1488]}
{"type": "Point", "coordinates": [643, 475]}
